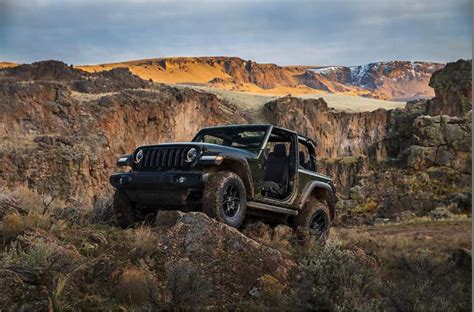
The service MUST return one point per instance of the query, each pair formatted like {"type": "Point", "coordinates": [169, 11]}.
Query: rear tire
{"type": "Point", "coordinates": [315, 217]}
{"type": "Point", "coordinates": [124, 210]}
{"type": "Point", "coordinates": [224, 198]}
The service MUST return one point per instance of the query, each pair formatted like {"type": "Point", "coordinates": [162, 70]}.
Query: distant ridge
{"type": "Point", "coordinates": [392, 80]}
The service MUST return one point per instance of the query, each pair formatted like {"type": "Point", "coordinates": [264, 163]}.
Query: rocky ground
{"type": "Point", "coordinates": [56, 257]}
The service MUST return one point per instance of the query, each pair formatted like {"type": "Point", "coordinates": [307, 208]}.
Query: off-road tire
{"type": "Point", "coordinates": [124, 210]}
{"type": "Point", "coordinates": [214, 191]}
{"type": "Point", "coordinates": [312, 209]}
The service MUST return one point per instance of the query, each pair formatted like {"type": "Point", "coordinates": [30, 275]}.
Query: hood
{"type": "Point", "coordinates": [207, 148]}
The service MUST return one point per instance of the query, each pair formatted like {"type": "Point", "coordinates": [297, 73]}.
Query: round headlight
{"type": "Point", "coordinates": [191, 155]}
{"type": "Point", "coordinates": [138, 156]}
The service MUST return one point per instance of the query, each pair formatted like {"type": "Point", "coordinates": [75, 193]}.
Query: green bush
{"type": "Point", "coordinates": [334, 278]}
{"type": "Point", "coordinates": [424, 281]}
{"type": "Point", "coordinates": [186, 284]}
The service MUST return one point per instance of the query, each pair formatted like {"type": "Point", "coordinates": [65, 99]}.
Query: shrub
{"type": "Point", "coordinates": [335, 279]}
{"type": "Point", "coordinates": [36, 256]}
{"type": "Point", "coordinates": [27, 199]}
{"type": "Point", "coordinates": [13, 225]}
{"type": "Point", "coordinates": [441, 213]}
{"type": "Point", "coordinates": [37, 220]}
{"type": "Point", "coordinates": [271, 289]}
{"type": "Point", "coordinates": [143, 241]}
{"type": "Point", "coordinates": [186, 284]}
{"type": "Point", "coordinates": [423, 281]}
{"type": "Point", "coordinates": [102, 211]}
{"type": "Point", "coordinates": [134, 287]}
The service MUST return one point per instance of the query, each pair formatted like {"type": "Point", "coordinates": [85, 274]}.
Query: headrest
{"type": "Point", "coordinates": [279, 150]}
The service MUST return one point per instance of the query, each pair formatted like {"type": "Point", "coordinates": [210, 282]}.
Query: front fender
{"type": "Point", "coordinates": [241, 167]}
{"type": "Point", "coordinates": [320, 190]}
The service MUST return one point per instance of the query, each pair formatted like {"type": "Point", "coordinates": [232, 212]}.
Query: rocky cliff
{"type": "Point", "coordinates": [396, 80]}
{"type": "Point", "coordinates": [62, 129]}
{"type": "Point", "coordinates": [387, 162]}
{"type": "Point", "coordinates": [453, 90]}
{"type": "Point", "coordinates": [337, 134]}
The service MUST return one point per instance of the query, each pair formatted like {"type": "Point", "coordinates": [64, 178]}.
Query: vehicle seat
{"type": "Point", "coordinates": [275, 182]}
{"type": "Point", "coordinates": [303, 164]}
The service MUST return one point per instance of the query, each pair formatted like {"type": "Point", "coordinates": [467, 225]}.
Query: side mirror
{"type": "Point", "coordinates": [125, 160]}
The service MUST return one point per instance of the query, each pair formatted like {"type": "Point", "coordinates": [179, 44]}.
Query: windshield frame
{"type": "Point", "coordinates": [265, 128]}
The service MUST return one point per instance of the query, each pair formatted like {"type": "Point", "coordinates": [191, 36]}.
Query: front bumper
{"type": "Point", "coordinates": [158, 180]}
{"type": "Point", "coordinates": [166, 188]}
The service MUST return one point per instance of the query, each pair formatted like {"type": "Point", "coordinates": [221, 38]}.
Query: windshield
{"type": "Point", "coordinates": [244, 137]}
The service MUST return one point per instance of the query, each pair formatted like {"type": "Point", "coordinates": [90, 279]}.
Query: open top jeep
{"type": "Point", "coordinates": [229, 172]}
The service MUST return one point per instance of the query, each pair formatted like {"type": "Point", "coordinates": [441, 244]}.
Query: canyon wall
{"type": "Point", "coordinates": [62, 129]}
{"type": "Point", "coordinates": [57, 139]}
{"type": "Point", "coordinates": [390, 161]}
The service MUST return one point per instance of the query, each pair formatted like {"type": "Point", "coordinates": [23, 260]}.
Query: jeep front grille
{"type": "Point", "coordinates": [162, 158]}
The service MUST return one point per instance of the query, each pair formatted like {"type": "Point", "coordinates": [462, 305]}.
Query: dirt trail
{"type": "Point", "coordinates": [442, 236]}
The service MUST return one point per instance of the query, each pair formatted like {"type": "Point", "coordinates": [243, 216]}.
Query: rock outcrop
{"type": "Point", "coordinates": [337, 134]}
{"type": "Point", "coordinates": [64, 136]}
{"type": "Point", "coordinates": [453, 88]}
{"type": "Point", "coordinates": [203, 242]}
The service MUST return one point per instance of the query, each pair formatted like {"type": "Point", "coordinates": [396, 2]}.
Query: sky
{"type": "Point", "coordinates": [316, 32]}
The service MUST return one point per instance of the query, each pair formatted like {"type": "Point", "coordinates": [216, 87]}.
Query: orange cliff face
{"type": "Point", "coordinates": [7, 64]}
{"type": "Point", "coordinates": [396, 80]}
{"type": "Point", "coordinates": [231, 73]}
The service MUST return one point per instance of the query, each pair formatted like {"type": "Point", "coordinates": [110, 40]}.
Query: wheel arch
{"type": "Point", "coordinates": [241, 168]}
{"type": "Point", "coordinates": [320, 191]}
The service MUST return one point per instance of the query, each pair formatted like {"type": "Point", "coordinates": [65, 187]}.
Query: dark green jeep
{"type": "Point", "coordinates": [229, 172]}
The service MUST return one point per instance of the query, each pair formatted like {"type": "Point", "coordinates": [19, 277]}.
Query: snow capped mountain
{"type": "Point", "coordinates": [400, 80]}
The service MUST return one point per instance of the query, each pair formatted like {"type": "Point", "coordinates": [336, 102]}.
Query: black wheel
{"type": "Point", "coordinates": [315, 218]}
{"type": "Point", "coordinates": [124, 210]}
{"type": "Point", "coordinates": [224, 198]}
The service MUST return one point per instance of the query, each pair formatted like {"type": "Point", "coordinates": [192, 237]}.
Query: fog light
{"type": "Point", "coordinates": [124, 180]}
{"type": "Point", "coordinates": [182, 179]}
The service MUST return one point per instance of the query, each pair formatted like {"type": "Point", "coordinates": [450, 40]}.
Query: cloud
{"type": "Point", "coordinates": [282, 32]}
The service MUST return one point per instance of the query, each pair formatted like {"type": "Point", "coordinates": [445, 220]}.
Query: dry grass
{"type": "Point", "coordinates": [36, 256]}
{"type": "Point", "coordinates": [442, 236]}
{"type": "Point", "coordinates": [13, 225]}
{"type": "Point", "coordinates": [20, 144]}
{"type": "Point", "coordinates": [143, 241]}
{"type": "Point", "coordinates": [134, 287]}
{"type": "Point", "coordinates": [29, 210]}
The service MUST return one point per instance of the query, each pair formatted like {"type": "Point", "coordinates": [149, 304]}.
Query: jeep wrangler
{"type": "Point", "coordinates": [229, 172]}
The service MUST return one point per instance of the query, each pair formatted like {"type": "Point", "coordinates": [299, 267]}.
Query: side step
{"type": "Point", "coordinates": [271, 208]}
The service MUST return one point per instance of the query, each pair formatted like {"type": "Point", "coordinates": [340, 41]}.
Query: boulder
{"type": "Point", "coordinates": [168, 217]}
{"type": "Point", "coordinates": [221, 254]}
{"type": "Point", "coordinates": [462, 257]}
